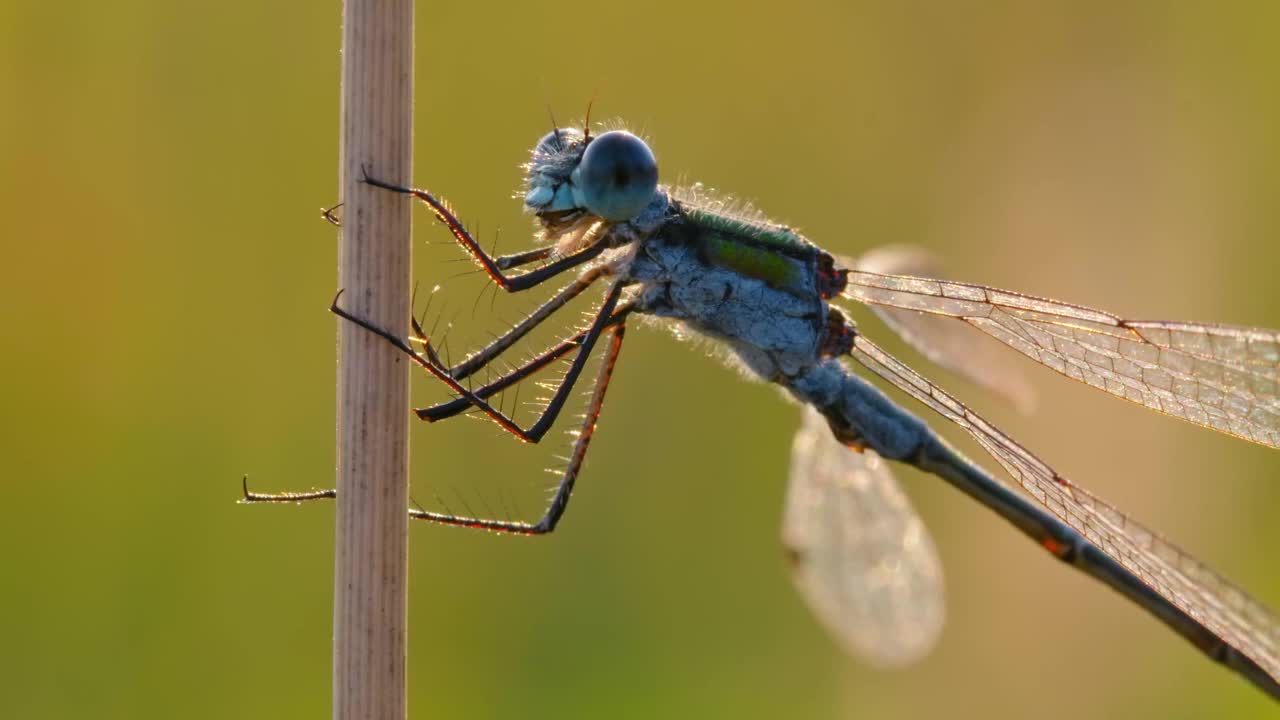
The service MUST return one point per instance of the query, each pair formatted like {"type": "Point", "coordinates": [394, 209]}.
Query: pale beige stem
{"type": "Point", "coordinates": [370, 629]}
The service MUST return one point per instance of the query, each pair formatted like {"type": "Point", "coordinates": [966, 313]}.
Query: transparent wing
{"type": "Point", "coordinates": [946, 344]}
{"type": "Point", "coordinates": [1225, 609]}
{"type": "Point", "coordinates": [861, 556]}
{"type": "Point", "coordinates": [1222, 377]}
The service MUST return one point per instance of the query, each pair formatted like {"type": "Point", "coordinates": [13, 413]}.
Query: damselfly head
{"type": "Point", "coordinates": [548, 183]}
{"type": "Point", "coordinates": [612, 176]}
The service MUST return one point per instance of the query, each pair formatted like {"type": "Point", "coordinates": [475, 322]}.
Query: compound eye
{"type": "Point", "coordinates": [617, 176]}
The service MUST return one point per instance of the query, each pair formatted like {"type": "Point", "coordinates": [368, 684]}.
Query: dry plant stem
{"type": "Point", "coordinates": [371, 538]}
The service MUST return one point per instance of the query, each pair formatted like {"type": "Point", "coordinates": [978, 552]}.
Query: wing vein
{"type": "Point", "coordinates": [1223, 608]}
{"type": "Point", "coordinates": [1217, 376]}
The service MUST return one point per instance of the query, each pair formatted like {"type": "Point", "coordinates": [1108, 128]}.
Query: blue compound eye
{"type": "Point", "coordinates": [617, 176]}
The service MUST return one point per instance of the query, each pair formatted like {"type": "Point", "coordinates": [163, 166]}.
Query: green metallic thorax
{"type": "Point", "coordinates": [774, 254]}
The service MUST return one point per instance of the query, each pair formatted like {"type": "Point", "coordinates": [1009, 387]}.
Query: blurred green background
{"type": "Point", "coordinates": [165, 331]}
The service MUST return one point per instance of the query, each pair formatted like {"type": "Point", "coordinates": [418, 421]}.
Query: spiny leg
{"type": "Point", "coordinates": [486, 354]}
{"type": "Point", "coordinates": [329, 214]}
{"type": "Point", "coordinates": [491, 265]}
{"type": "Point", "coordinates": [453, 407]}
{"type": "Point", "coordinates": [609, 316]}
{"type": "Point", "coordinates": [535, 432]}
{"type": "Point", "coordinates": [506, 262]}
{"type": "Point", "coordinates": [559, 502]}
{"type": "Point", "coordinates": [503, 262]}
{"type": "Point", "coordinates": [248, 496]}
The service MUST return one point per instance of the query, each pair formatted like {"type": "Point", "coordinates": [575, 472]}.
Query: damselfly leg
{"type": "Point", "coordinates": [453, 407]}
{"type": "Point", "coordinates": [547, 418]}
{"type": "Point", "coordinates": [506, 262]}
{"type": "Point", "coordinates": [488, 353]}
{"type": "Point", "coordinates": [514, 283]}
{"type": "Point", "coordinates": [609, 317]}
{"type": "Point", "coordinates": [503, 262]}
{"type": "Point", "coordinates": [560, 500]}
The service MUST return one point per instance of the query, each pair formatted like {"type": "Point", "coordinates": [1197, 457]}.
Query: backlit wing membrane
{"type": "Point", "coordinates": [1222, 377]}
{"type": "Point", "coordinates": [861, 556]}
{"type": "Point", "coordinates": [948, 344]}
{"type": "Point", "coordinates": [1225, 609]}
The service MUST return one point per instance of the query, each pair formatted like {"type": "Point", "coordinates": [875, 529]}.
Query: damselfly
{"type": "Point", "coordinates": [861, 556]}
